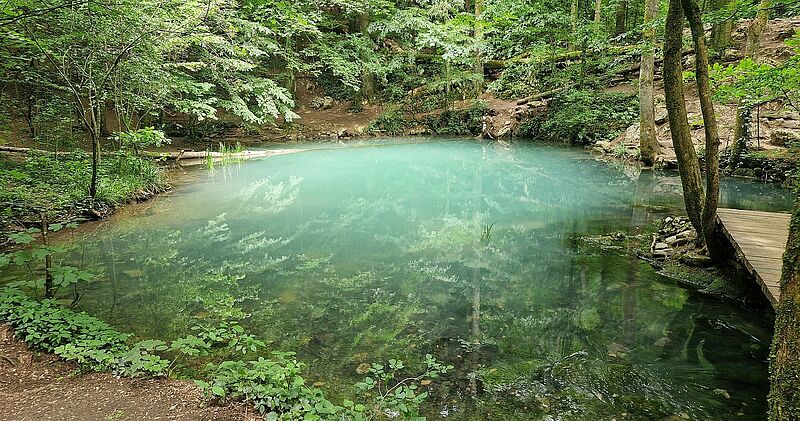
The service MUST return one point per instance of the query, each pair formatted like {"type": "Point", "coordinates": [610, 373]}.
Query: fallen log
{"type": "Point", "coordinates": [13, 149]}
{"type": "Point", "coordinates": [568, 55]}
{"type": "Point", "coordinates": [177, 156]}
{"type": "Point", "coordinates": [635, 67]}
{"type": "Point", "coordinates": [174, 156]}
{"type": "Point", "coordinates": [545, 94]}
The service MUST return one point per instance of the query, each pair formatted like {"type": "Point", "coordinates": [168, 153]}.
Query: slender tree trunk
{"type": "Point", "coordinates": [598, 11]}
{"type": "Point", "coordinates": [29, 115]}
{"type": "Point", "coordinates": [709, 213]}
{"type": "Point", "coordinates": [721, 32]}
{"type": "Point", "coordinates": [648, 145]}
{"type": "Point", "coordinates": [367, 78]}
{"type": "Point", "coordinates": [700, 206]}
{"type": "Point", "coordinates": [95, 164]}
{"type": "Point", "coordinates": [752, 47]}
{"type": "Point", "coordinates": [573, 20]}
{"type": "Point", "coordinates": [688, 165]}
{"type": "Point", "coordinates": [479, 42]}
{"type": "Point", "coordinates": [48, 262]}
{"type": "Point", "coordinates": [621, 17]}
{"type": "Point", "coordinates": [94, 135]}
{"type": "Point", "coordinates": [784, 398]}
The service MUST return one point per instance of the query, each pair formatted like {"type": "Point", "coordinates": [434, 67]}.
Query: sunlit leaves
{"type": "Point", "coordinates": [753, 83]}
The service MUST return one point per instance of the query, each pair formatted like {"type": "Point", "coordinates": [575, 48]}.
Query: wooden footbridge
{"type": "Point", "coordinates": [760, 240]}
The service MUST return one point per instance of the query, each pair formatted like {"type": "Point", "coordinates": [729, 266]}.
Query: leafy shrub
{"type": "Point", "coordinates": [200, 130]}
{"type": "Point", "coordinates": [138, 140]}
{"type": "Point", "coordinates": [390, 122]}
{"type": "Point", "coordinates": [387, 392]}
{"type": "Point", "coordinates": [464, 122]}
{"type": "Point", "coordinates": [59, 185]}
{"type": "Point", "coordinates": [584, 117]}
{"type": "Point", "coordinates": [334, 87]}
{"type": "Point", "coordinates": [517, 80]}
{"type": "Point", "coordinates": [95, 345]}
{"type": "Point", "coordinates": [774, 165]}
{"type": "Point", "coordinates": [79, 337]}
{"type": "Point", "coordinates": [274, 386]}
{"type": "Point", "coordinates": [529, 128]}
{"type": "Point", "coordinates": [35, 259]}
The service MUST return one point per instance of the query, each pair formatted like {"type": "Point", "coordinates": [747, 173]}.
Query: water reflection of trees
{"type": "Point", "coordinates": [356, 276]}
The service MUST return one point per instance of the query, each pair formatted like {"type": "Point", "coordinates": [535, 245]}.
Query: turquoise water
{"type": "Point", "coordinates": [460, 249]}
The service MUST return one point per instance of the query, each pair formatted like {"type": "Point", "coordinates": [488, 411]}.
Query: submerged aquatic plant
{"type": "Point", "coordinates": [487, 232]}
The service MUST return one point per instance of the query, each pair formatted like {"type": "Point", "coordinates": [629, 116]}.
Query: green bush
{"type": "Point", "coordinates": [463, 122]}
{"type": "Point", "coordinates": [78, 337]}
{"type": "Point", "coordinates": [274, 387]}
{"type": "Point", "coordinates": [137, 140]}
{"type": "Point", "coordinates": [583, 117]}
{"type": "Point", "coordinates": [774, 165]}
{"type": "Point", "coordinates": [517, 80]}
{"type": "Point", "coordinates": [59, 185]}
{"type": "Point", "coordinates": [390, 122]}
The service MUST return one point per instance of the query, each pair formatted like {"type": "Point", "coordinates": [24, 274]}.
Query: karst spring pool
{"type": "Point", "coordinates": [461, 249]}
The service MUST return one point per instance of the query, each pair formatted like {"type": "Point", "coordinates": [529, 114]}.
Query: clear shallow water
{"type": "Point", "coordinates": [361, 254]}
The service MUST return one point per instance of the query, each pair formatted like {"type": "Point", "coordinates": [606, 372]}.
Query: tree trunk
{"type": "Point", "coordinates": [479, 42]}
{"type": "Point", "coordinates": [95, 164]}
{"type": "Point", "coordinates": [621, 17]}
{"type": "Point", "coordinates": [741, 135]}
{"type": "Point", "coordinates": [709, 213]}
{"type": "Point", "coordinates": [48, 263]}
{"type": "Point", "coordinates": [700, 206]}
{"type": "Point", "coordinates": [688, 165]}
{"type": "Point", "coordinates": [721, 32]}
{"type": "Point", "coordinates": [367, 78]}
{"type": "Point", "coordinates": [29, 116]}
{"type": "Point", "coordinates": [573, 20]}
{"type": "Point", "coordinates": [598, 11]}
{"type": "Point", "coordinates": [648, 146]}
{"type": "Point", "coordinates": [752, 47]}
{"type": "Point", "coordinates": [784, 398]}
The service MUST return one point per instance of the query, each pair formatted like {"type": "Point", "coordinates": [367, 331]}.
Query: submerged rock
{"type": "Point", "coordinates": [695, 260]}
{"type": "Point", "coordinates": [363, 368]}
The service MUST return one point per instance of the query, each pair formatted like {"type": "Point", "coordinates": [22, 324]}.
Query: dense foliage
{"type": "Point", "coordinates": [118, 77]}
{"type": "Point", "coordinates": [147, 61]}
{"type": "Point", "coordinates": [57, 185]}
{"type": "Point", "coordinates": [583, 117]}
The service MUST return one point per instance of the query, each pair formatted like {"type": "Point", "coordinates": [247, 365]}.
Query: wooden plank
{"type": "Point", "coordinates": [760, 240]}
{"type": "Point", "coordinates": [744, 212]}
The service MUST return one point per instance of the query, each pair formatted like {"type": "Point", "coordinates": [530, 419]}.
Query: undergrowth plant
{"type": "Point", "coordinates": [389, 393]}
{"type": "Point", "coordinates": [59, 185]}
{"type": "Point", "coordinates": [273, 384]}
{"type": "Point", "coordinates": [36, 263]}
{"type": "Point", "coordinates": [583, 117]}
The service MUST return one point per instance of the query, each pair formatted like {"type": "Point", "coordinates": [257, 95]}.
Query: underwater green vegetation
{"type": "Point", "coordinates": [365, 262]}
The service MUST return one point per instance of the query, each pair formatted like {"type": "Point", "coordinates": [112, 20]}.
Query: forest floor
{"type": "Point", "coordinates": [40, 386]}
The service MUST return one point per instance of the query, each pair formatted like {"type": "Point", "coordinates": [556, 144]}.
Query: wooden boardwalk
{"type": "Point", "coordinates": [760, 240]}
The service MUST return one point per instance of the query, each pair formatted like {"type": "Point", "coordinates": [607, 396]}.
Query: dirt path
{"type": "Point", "coordinates": [39, 386]}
